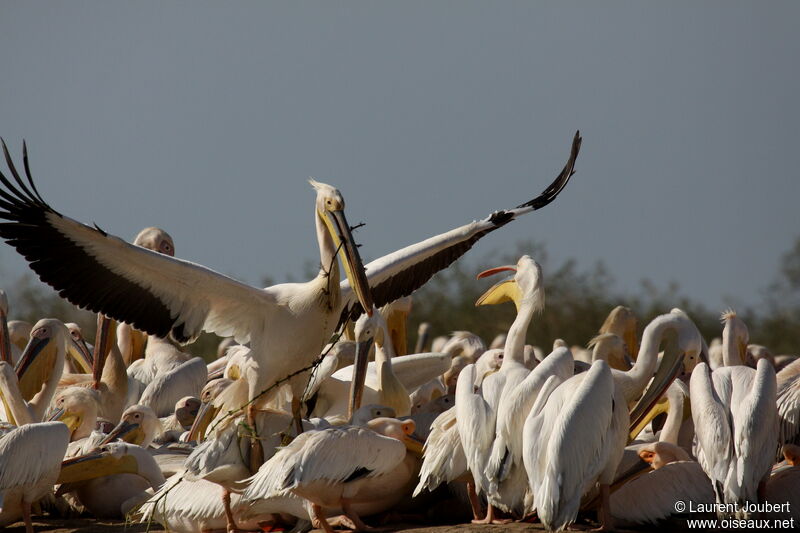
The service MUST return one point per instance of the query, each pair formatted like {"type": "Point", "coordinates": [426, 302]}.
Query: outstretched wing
{"type": "Point", "coordinates": [402, 272]}
{"type": "Point", "coordinates": [94, 270]}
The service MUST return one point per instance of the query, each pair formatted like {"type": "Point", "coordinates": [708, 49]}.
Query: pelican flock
{"type": "Point", "coordinates": [312, 414]}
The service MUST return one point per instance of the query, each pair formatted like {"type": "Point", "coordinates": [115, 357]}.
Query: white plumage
{"type": "Point", "coordinates": [30, 461]}
{"type": "Point", "coordinates": [736, 425]}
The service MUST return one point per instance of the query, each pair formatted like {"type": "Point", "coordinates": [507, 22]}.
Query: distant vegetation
{"type": "Point", "coordinates": [578, 298]}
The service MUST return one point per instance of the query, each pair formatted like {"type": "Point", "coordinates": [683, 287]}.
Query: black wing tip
{"type": "Point", "coordinates": [24, 196]}
{"type": "Point", "coordinates": [553, 190]}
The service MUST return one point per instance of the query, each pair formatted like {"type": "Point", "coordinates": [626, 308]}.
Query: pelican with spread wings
{"type": "Point", "coordinates": [286, 324]}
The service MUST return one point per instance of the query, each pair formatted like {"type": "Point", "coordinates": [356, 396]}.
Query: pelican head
{"type": "Point", "coordinates": [139, 425]}
{"type": "Point", "coordinates": [44, 353]}
{"type": "Point", "coordinates": [78, 349]}
{"type": "Point", "coordinates": [156, 239]}
{"type": "Point", "coordinates": [611, 348]}
{"type": "Point", "coordinates": [621, 321]}
{"type": "Point", "coordinates": [659, 454]}
{"type": "Point", "coordinates": [207, 410]}
{"type": "Point", "coordinates": [365, 413]}
{"type": "Point", "coordinates": [457, 364]}
{"type": "Point", "coordinates": [330, 211]}
{"type": "Point", "coordinates": [77, 408]}
{"type": "Point", "coordinates": [186, 410]}
{"type": "Point", "coordinates": [401, 430]}
{"type": "Point", "coordinates": [524, 288]}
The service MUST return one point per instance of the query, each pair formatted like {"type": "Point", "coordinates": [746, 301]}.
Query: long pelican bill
{"type": "Point", "coordinates": [413, 444]}
{"type": "Point", "coordinates": [502, 291]}
{"type": "Point", "coordinates": [101, 347]}
{"type": "Point", "coordinates": [94, 465]}
{"type": "Point", "coordinates": [72, 420]}
{"type": "Point", "coordinates": [670, 366]}
{"type": "Point", "coordinates": [351, 259]}
{"type": "Point", "coordinates": [7, 408]}
{"type": "Point", "coordinates": [202, 420]}
{"type": "Point", "coordinates": [359, 375]}
{"type": "Point", "coordinates": [5, 339]}
{"type": "Point", "coordinates": [79, 352]}
{"type": "Point", "coordinates": [126, 431]}
{"type": "Point", "coordinates": [661, 406]}
{"type": "Point", "coordinates": [38, 343]}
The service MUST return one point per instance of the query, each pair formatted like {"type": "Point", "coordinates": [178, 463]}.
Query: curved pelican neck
{"type": "Point", "coordinates": [514, 348]}
{"type": "Point", "coordinates": [645, 365]}
{"type": "Point", "coordinates": [384, 350]}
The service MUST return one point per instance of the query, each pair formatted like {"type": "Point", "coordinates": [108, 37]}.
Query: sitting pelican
{"type": "Point", "coordinates": [109, 377]}
{"type": "Point", "coordinates": [287, 324]}
{"type": "Point", "coordinates": [30, 461]}
{"type": "Point", "coordinates": [42, 363]}
{"type": "Point", "coordinates": [360, 470]}
{"type": "Point", "coordinates": [650, 498]}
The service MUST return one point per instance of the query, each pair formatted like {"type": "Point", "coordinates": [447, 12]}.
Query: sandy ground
{"type": "Point", "coordinates": [89, 525]}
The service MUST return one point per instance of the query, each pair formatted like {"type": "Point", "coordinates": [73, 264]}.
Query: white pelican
{"type": "Point", "coordinates": [526, 291]}
{"type": "Point", "coordinates": [504, 471]}
{"type": "Point", "coordinates": [585, 412]}
{"type": "Point", "coordinates": [227, 459]}
{"type": "Point", "coordinates": [111, 492]}
{"type": "Point", "coordinates": [580, 413]}
{"type": "Point", "coordinates": [443, 459]}
{"type": "Point", "coordinates": [185, 506]}
{"type": "Point", "coordinates": [360, 470]}
{"type": "Point", "coordinates": [287, 324]}
{"type": "Point", "coordinates": [180, 421]}
{"type": "Point", "coordinates": [465, 343]}
{"type": "Point", "coordinates": [131, 341]}
{"type": "Point", "coordinates": [166, 389]}
{"type": "Point", "coordinates": [736, 424]}
{"type": "Point", "coordinates": [411, 371]}
{"type": "Point", "coordinates": [650, 498]}
{"type": "Point", "coordinates": [77, 407]}
{"type": "Point", "coordinates": [612, 349]}
{"type": "Point", "coordinates": [138, 425]}
{"type": "Point", "coordinates": [109, 376]}
{"type": "Point", "coordinates": [42, 363]}
{"type": "Point", "coordinates": [622, 322]}
{"type": "Point", "coordinates": [30, 461]}
{"type": "Point", "coordinates": [161, 357]}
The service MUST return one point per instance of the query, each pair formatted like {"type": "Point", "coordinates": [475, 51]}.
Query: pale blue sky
{"type": "Point", "coordinates": [207, 118]}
